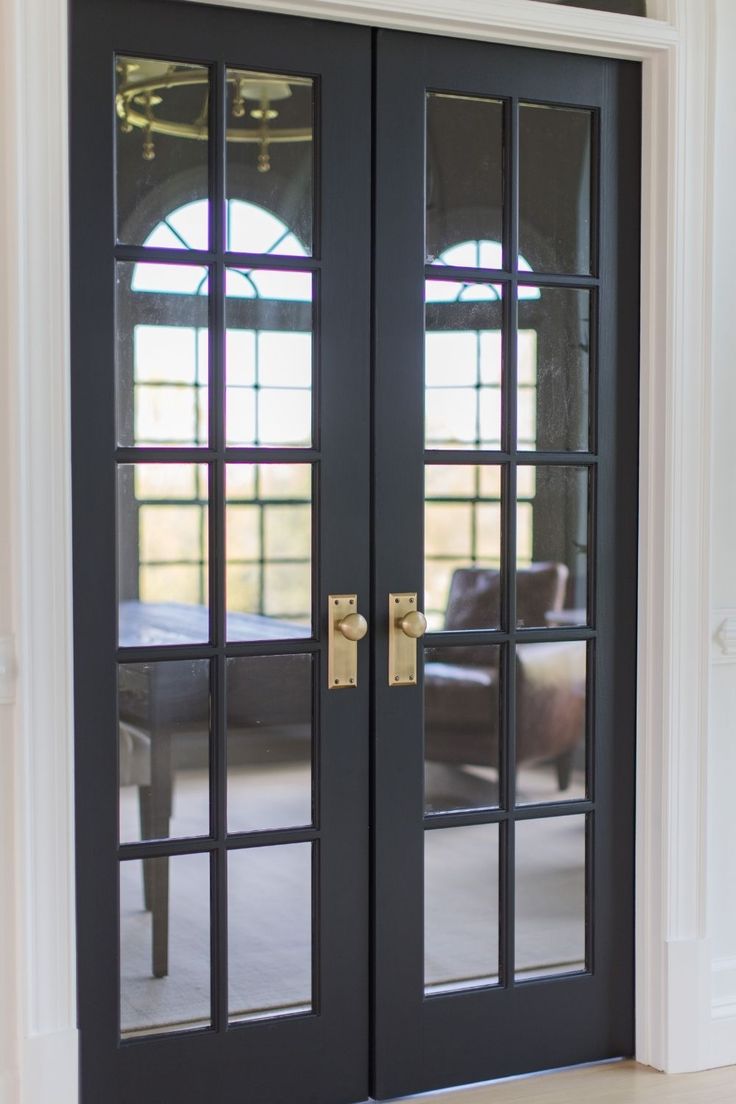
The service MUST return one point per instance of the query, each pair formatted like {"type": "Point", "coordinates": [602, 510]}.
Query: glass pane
{"type": "Point", "coordinates": [161, 354]}
{"type": "Point", "coordinates": [269, 357]}
{"type": "Point", "coordinates": [555, 187]}
{"type": "Point", "coordinates": [550, 721]}
{"type": "Point", "coordinates": [164, 748]}
{"type": "Point", "coordinates": [554, 370]}
{"type": "Point", "coordinates": [463, 362]}
{"type": "Point", "coordinates": [462, 546]}
{"type": "Point", "coordinates": [464, 181]}
{"type": "Point", "coordinates": [269, 742]}
{"type": "Point", "coordinates": [270, 931]}
{"type": "Point", "coordinates": [270, 161]}
{"type": "Point", "coordinates": [460, 907]}
{"type": "Point", "coordinates": [269, 551]}
{"type": "Point", "coordinates": [462, 717]}
{"type": "Point", "coordinates": [162, 153]}
{"type": "Point", "coordinates": [552, 547]}
{"type": "Point", "coordinates": [550, 896]}
{"type": "Point", "coordinates": [163, 571]}
{"type": "Point", "coordinates": [164, 944]}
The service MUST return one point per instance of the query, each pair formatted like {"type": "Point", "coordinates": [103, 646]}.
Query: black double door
{"type": "Point", "coordinates": [354, 322]}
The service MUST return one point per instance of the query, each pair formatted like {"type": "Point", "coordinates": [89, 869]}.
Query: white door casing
{"type": "Point", "coordinates": [676, 1028]}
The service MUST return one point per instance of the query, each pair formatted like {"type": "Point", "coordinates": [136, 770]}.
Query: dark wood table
{"type": "Point", "coordinates": [161, 700]}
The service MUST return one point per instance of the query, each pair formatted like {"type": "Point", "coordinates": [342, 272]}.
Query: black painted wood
{"type": "Point", "coordinates": [427, 1043]}
{"type": "Point", "coordinates": [322, 1057]}
{"type": "Point", "coordinates": [373, 1030]}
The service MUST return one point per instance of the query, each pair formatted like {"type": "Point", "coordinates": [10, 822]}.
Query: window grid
{"type": "Point", "coordinates": [519, 446]}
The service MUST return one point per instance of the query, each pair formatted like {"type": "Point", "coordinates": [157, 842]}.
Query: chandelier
{"type": "Point", "coordinates": [149, 99]}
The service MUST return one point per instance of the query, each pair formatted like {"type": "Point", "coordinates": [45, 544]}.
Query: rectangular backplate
{"type": "Point", "coordinates": [402, 649]}
{"type": "Point", "coordinates": [342, 654]}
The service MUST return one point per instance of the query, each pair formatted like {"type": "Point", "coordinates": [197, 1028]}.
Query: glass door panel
{"type": "Point", "coordinates": [497, 301]}
{"type": "Point", "coordinates": [222, 285]}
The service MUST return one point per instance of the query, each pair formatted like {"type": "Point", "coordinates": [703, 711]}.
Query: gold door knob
{"type": "Point", "coordinates": [413, 624]}
{"type": "Point", "coordinates": [353, 627]}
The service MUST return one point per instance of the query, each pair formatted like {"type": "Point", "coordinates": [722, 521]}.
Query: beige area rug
{"type": "Point", "coordinates": [270, 905]}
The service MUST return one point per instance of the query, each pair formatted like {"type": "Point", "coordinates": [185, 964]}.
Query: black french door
{"type": "Point", "coordinates": [354, 401]}
{"type": "Point", "coordinates": [506, 307]}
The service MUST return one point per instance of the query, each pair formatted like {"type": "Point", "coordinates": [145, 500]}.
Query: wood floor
{"type": "Point", "coordinates": [618, 1083]}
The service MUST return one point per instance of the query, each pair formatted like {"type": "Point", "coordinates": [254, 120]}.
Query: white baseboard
{"type": "Point", "coordinates": [724, 986]}
{"type": "Point", "coordinates": [51, 1069]}
{"type": "Point", "coordinates": [9, 1088]}
{"type": "Point", "coordinates": [701, 1007]}
{"type": "Point", "coordinates": [688, 1005]}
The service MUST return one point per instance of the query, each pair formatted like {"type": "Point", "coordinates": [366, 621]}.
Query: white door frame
{"type": "Point", "coordinates": [675, 1026]}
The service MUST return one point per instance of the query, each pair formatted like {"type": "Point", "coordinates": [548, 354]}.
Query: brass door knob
{"type": "Point", "coordinates": [413, 624]}
{"type": "Point", "coordinates": [353, 627]}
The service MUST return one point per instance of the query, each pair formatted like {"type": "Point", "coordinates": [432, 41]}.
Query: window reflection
{"type": "Point", "coordinates": [464, 171]}
{"type": "Point", "coordinates": [163, 379]}
{"type": "Point", "coordinates": [550, 901]}
{"type": "Point", "coordinates": [462, 727]}
{"type": "Point", "coordinates": [268, 357]}
{"type": "Point", "coordinates": [550, 721]}
{"type": "Point", "coordinates": [462, 546]}
{"type": "Point", "coordinates": [463, 365]}
{"type": "Point", "coordinates": [270, 162]}
{"type": "Point", "coordinates": [270, 931]}
{"type": "Point", "coordinates": [153, 98]}
{"type": "Point", "coordinates": [461, 900]}
{"type": "Point", "coordinates": [163, 570]}
{"type": "Point", "coordinates": [552, 520]}
{"type": "Point", "coordinates": [163, 749]}
{"type": "Point", "coordinates": [164, 944]}
{"type": "Point", "coordinates": [268, 550]}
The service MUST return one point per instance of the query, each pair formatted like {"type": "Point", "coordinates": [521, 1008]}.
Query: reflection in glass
{"type": "Point", "coordinates": [161, 354]}
{"type": "Point", "coordinates": [164, 944]}
{"type": "Point", "coordinates": [460, 907]}
{"type": "Point", "coordinates": [462, 714]}
{"type": "Point", "coordinates": [550, 721]}
{"type": "Point", "coordinates": [269, 742]}
{"type": "Point", "coordinates": [552, 546]}
{"type": "Point", "coordinates": [555, 187]}
{"type": "Point", "coordinates": [553, 370]}
{"type": "Point", "coordinates": [462, 546]}
{"type": "Point", "coordinates": [162, 114]}
{"type": "Point", "coordinates": [164, 744]}
{"type": "Point", "coordinates": [269, 931]}
{"type": "Point", "coordinates": [464, 172]}
{"type": "Point", "coordinates": [163, 573]}
{"type": "Point", "coordinates": [269, 357]}
{"type": "Point", "coordinates": [463, 365]}
{"type": "Point", "coordinates": [270, 159]}
{"type": "Point", "coordinates": [269, 551]}
{"type": "Point", "coordinates": [550, 896]}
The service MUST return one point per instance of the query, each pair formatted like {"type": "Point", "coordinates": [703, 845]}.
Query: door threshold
{"type": "Point", "coordinates": [435, 1094]}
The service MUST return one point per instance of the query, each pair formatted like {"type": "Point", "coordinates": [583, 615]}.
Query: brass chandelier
{"type": "Point", "coordinates": [147, 88]}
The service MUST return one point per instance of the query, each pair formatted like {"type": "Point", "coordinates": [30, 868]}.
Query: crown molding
{"type": "Point", "coordinates": [516, 22]}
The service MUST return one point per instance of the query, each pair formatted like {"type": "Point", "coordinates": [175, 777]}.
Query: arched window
{"type": "Point", "coordinates": [464, 366]}
{"type": "Point", "coordinates": [163, 376]}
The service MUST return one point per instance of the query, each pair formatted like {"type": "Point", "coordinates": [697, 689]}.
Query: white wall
{"type": "Point", "coordinates": [9, 1027]}
{"type": "Point", "coordinates": [722, 727]}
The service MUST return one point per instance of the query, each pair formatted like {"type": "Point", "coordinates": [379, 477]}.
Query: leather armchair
{"type": "Point", "coordinates": [462, 702]}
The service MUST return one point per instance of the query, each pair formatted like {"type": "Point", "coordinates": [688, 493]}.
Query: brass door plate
{"type": "Point", "coordinates": [402, 649]}
{"type": "Point", "coordinates": [342, 654]}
